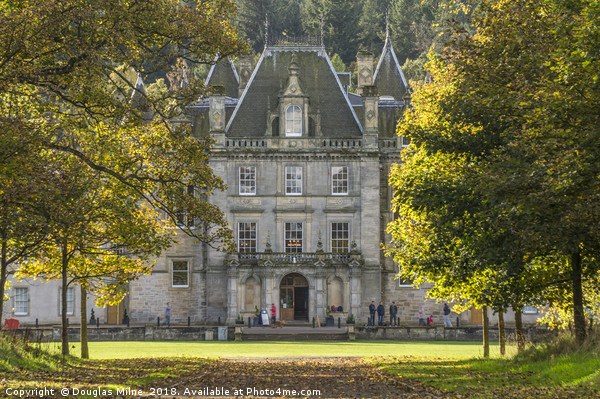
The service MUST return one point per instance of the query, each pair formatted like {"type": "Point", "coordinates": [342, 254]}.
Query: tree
{"type": "Point", "coordinates": [372, 25]}
{"type": "Point", "coordinates": [419, 26]}
{"type": "Point", "coordinates": [283, 20]}
{"type": "Point", "coordinates": [89, 217]}
{"type": "Point", "coordinates": [526, 152]}
{"type": "Point", "coordinates": [21, 231]}
{"type": "Point", "coordinates": [339, 21]}
{"type": "Point", "coordinates": [63, 92]}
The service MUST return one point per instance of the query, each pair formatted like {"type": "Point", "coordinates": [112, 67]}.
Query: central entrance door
{"type": "Point", "coordinates": [294, 297]}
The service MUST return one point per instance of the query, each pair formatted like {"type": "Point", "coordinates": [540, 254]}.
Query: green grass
{"type": "Point", "coordinates": [555, 370]}
{"type": "Point", "coordinates": [17, 355]}
{"type": "Point", "coordinates": [144, 349]}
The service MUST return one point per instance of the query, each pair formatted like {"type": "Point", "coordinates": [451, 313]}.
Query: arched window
{"type": "Point", "coordinates": [293, 121]}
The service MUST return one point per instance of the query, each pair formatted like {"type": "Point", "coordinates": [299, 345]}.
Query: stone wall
{"type": "Point", "coordinates": [198, 333]}
{"type": "Point", "coordinates": [144, 333]}
{"type": "Point", "coordinates": [532, 334]}
{"type": "Point", "coordinates": [150, 294]}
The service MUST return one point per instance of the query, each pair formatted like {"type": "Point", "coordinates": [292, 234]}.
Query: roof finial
{"type": "Point", "coordinates": [266, 30]}
{"type": "Point", "coordinates": [322, 25]}
{"type": "Point", "coordinates": [387, 25]}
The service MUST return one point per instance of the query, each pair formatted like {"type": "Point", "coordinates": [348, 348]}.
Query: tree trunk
{"type": "Point", "coordinates": [486, 333]}
{"type": "Point", "coordinates": [85, 354]}
{"type": "Point", "coordinates": [63, 306]}
{"type": "Point", "coordinates": [519, 329]}
{"type": "Point", "coordinates": [501, 333]}
{"type": "Point", "coordinates": [3, 275]}
{"type": "Point", "coordinates": [578, 313]}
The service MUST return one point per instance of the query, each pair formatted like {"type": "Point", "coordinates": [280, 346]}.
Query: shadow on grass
{"type": "Point", "coordinates": [567, 376]}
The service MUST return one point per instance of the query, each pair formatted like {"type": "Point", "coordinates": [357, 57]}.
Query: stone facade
{"type": "Point", "coordinates": [306, 164]}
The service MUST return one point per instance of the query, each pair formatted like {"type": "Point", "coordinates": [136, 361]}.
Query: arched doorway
{"type": "Point", "coordinates": [293, 294]}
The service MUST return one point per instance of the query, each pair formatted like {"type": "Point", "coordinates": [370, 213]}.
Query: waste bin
{"type": "Point", "coordinates": [208, 335]}
{"type": "Point", "coordinates": [222, 331]}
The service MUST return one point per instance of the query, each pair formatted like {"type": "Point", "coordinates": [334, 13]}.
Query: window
{"type": "Point", "coordinates": [246, 237]}
{"type": "Point", "coordinates": [247, 180]}
{"type": "Point", "coordinates": [340, 236]}
{"type": "Point", "coordinates": [405, 141]}
{"type": "Point", "coordinates": [339, 180]}
{"type": "Point", "coordinates": [405, 282]}
{"type": "Point", "coordinates": [182, 214]}
{"type": "Point", "coordinates": [293, 180]}
{"type": "Point", "coordinates": [21, 301]}
{"type": "Point", "coordinates": [69, 301]}
{"type": "Point", "coordinates": [180, 273]}
{"type": "Point", "coordinates": [293, 237]}
{"type": "Point", "coordinates": [293, 121]}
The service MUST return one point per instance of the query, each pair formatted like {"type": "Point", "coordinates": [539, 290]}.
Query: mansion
{"type": "Point", "coordinates": [306, 163]}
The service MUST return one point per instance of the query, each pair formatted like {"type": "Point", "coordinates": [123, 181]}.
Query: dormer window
{"type": "Point", "coordinates": [293, 121]}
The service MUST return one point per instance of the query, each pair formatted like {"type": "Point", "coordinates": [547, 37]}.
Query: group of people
{"type": "Point", "coordinates": [380, 310]}
{"type": "Point", "coordinates": [395, 320]}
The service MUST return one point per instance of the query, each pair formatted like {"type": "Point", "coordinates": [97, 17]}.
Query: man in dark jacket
{"type": "Point", "coordinates": [447, 322]}
{"type": "Point", "coordinates": [394, 314]}
{"type": "Point", "coordinates": [371, 314]}
{"type": "Point", "coordinates": [380, 313]}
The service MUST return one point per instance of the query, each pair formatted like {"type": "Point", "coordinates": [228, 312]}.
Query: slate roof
{"type": "Point", "coordinates": [223, 73]}
{"type": "Point", "coordinates": [388, 77]}
{"type": "Point", "coordinates": [318, 81]}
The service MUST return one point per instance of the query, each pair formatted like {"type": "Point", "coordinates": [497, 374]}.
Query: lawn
{"type": "Point", "coordinates": [454, 369]}
{"type": "Point", "coordinates": [145, 349]}
{"type": "Point", "coordinates": [574, 375]}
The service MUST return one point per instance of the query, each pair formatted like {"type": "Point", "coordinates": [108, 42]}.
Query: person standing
{"type": "Point", "coordinates": [447, 322]}
{"type": "Point", "coordinates": [380, 313]}
{"type": "Point", "coordinates": [393, 314]}
{"type": "Point", "coordinates": [273, 314]}
{"type": "Point", "coordinates": [168, 314]}
{"type": "Point", "coordinates": [421, 316]}
{"type": "Point", "coordinates": [371, 314]}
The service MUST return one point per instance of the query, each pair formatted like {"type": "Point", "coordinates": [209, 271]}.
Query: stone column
{"type": "Point", "coordinates": [355, 293]}
{"type": "Point", "coordinates": [320, 294]}
{"type": "Point", "coordinates": [270, 286]}
{"type": "Point", "coordinates": [232, 294]}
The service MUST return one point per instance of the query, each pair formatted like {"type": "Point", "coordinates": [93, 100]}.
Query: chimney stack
{"type": "Point", "coordinates": [371, 106]}
{"type": "Point", "coordinates": [216, 114]}
{"type": "Point", "coordinates": [246, 66]}
{"type": "Point", "coordinates": [365, 70]}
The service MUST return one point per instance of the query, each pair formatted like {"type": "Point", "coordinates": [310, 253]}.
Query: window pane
{"type": "Point", "coordinates": [182, 214]}
{"type": "Point", "coordinates": [530, 309]}
{"type": "Point", "coordinates": [340, 237]}
{"type": "Point", "coordinates": [339, 180]}
{"type": "Point", "coordinates": [293, 121]}
{"type": "Point", "coordinates": [180, 273]}
{"type": "Point", "coordinates": [247, 180]}
{"type": "Point", "coordinates": [293, 180]}
{"type": "Point", "coordinates": [246, 237]}
{"type": "Point", "coordinates": [69, 301]}
{"type": "Point", "coordinates": [293, 237]}
{"type": "Point", "coordinates": [21, 301]}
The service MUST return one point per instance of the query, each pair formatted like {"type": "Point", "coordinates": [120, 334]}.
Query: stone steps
{"type": "Point", "coordinates": [295, 337]}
